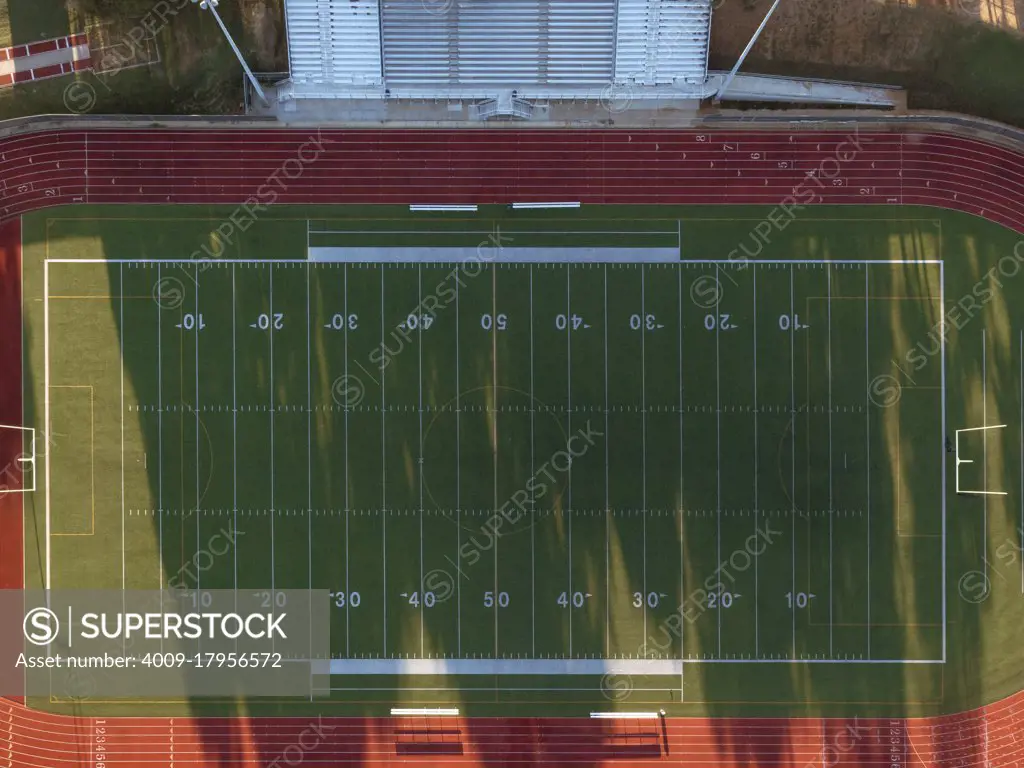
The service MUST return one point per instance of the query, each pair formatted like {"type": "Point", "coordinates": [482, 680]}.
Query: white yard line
{"type": "Point", "coordinates": [643, 440]}
{"type": "Point", "coordinates": [867, 420]}
{"type": "Point", "coordinates": [383, 472]}
{"type": "Point", "coordinates": [792, 487]}
{"type": "Point", "coordinates": [607, 493]}
{"type": "Point", "coordinates": [757, 626]}
{"type": "Point", "coordinates": [718, 447]}
{"type": "Point", "coordinates": [828, 280]}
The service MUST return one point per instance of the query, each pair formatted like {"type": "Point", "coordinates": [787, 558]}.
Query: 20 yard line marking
{"type": "Point", "coordinates": [273, 514]}
{"type": "Point", "coordinates": [348, 585]}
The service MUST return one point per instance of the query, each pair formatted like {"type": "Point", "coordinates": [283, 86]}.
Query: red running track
{"type": "Point", "coordinates": [490, 166]}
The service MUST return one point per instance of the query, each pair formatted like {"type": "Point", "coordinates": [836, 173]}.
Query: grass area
{"type": "Point", "coordinates": [184, 66]}
{"type": "Point", "coordinates": [22, 22]}
{"type": "Point", "coordinates": [758, 448]}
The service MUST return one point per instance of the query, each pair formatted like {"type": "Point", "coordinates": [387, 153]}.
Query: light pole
{"type": "Point", "coordinates": [211, 6]}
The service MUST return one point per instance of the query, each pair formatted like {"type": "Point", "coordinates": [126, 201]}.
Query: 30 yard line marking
{"type": "Point", "coordinates": [643, 440]}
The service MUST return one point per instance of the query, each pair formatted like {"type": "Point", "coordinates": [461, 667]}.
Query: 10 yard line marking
{"type": "Point", "coordinates": [199, 536]}
{"type": "Point", "coordinates": [792, 445]}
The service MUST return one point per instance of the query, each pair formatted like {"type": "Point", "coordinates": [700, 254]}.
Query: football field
{"type": "Point", "coordinates": [528, 455]}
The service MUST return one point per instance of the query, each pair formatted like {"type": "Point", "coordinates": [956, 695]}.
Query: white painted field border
{"type": "Point", "coordinates": [469, 208]}
{"type": "Point", "coordinates": [541, 206]}
{"type": "Point", "coordinates": [726, 262]}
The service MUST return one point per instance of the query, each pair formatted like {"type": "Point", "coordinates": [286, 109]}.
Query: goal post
{"type": "Point", "coordinates": [18, 472]}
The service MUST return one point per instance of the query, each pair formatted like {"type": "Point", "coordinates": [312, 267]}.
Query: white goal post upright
{"type": "Point", "coordinates": [21, 462]}
{"type": "Point", "coordinates": [960, 461]}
